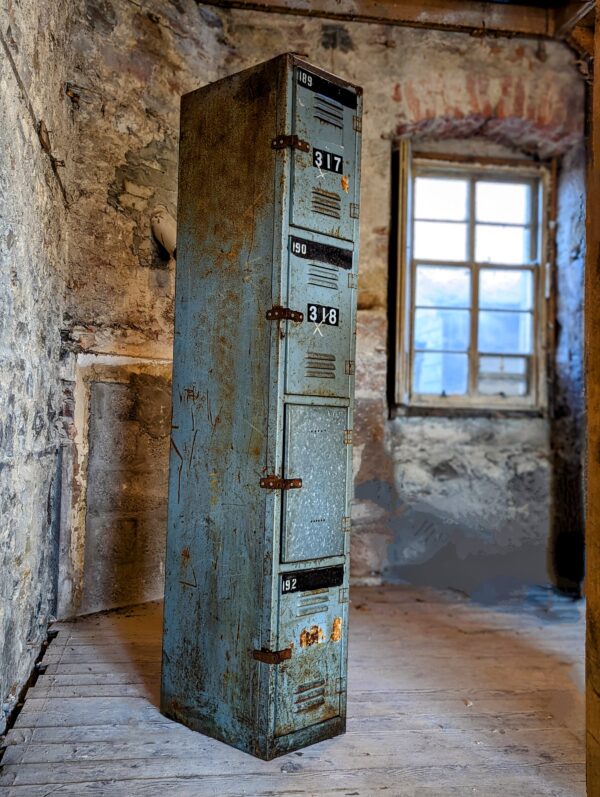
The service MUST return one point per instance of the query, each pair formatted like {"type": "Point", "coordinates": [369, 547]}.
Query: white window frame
{"type": "Point", "coordinates": [432, 165]}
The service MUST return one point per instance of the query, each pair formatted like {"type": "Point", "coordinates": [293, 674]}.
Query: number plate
{"type": "Point", "coordinates": [324, 253]}
{"type": "Point", "coordinates": [304, 580]}
{"type": "Point", "coordinates": [321, 314]}
{"type": "Point", "coordinates": [328, 161]}
{"type": "Point", "coordinates": [326, 89]}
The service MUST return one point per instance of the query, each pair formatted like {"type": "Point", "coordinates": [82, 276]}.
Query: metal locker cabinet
{"type": "Point", "coordinates": [256, 587]}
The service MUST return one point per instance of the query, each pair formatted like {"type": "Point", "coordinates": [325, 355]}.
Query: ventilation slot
{"type": "Point", "coordinates": [313, 604]}
{"type": "Point", "coordinates": [327, 203]}
{"type": "Point", "coordinates": [323, 276]}
{"type": "Point", "coordinates": [321, 366]}
{"type": "Point", "coordinates": [309, 696]}
{"type": "Point", "coordinates": [329, 111]}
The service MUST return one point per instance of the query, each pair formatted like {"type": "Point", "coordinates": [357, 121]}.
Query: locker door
{"type": "Point", "coordinates": [319, 349]}
{"type": "Point", "coordinates": [313, 517]}
{"type": "Point", "coordinates": [312, 624]}
{"type": "Point", "coordinates": [324, 184]}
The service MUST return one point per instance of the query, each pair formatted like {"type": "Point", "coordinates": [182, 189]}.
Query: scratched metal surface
{"type": "Point", "coordinates": [322, 198]}
{"type": "Point", "coordinates": [224, 542]}
{"type": "Point", "coordinates": [312, 525]}
{"type": "Point", "coordinates": [216, 534]}
{"type": "Point", "coordinates": [310, 683]}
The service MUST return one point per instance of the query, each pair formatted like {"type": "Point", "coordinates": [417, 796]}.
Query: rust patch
{"type": "Point", "coordinates": [311, 636]}
{"type": "Point", "coordinates": [185, 553]}
{"type": "Point", "coordinates": [336, 630]}
{"type": "Point", "coordinates": [345, 183]}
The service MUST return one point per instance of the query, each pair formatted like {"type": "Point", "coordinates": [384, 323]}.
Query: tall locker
{"type": "Point", "coordinates": [256, 596]}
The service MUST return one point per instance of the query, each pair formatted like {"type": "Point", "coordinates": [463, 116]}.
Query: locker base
{"type": "Point", "coordinates": [262, 747]}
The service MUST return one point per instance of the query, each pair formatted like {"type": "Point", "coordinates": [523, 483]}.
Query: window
{"type": "Point", "coordinates": [471, 286]}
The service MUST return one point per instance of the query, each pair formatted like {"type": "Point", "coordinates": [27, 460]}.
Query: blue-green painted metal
{"type": "Point", "coordinates": [256, 591]}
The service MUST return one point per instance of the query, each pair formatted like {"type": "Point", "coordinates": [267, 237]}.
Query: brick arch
{"type": "Point", "coordinates": [542, 141]}
{"type": "Point", "coordinates": [539, 119]}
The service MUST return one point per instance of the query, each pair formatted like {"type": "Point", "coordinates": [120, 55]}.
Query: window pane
{"type": "Point", "coordinates": [505, 333]}
{"type": "Point", "coordinates": [447, 330]}
{"type": "Point", "coordinates": [437, 240]}
{"type": "Point", "coordinates": [501, 244]}
{"type": "Point", "coordinates": [503, 375]}
{"type": "Point", "coordinates": [506, 289]}
{"type": "Point", "coordinates": [440, 198]}
{"type": "Point", "coordinates": [440, 372]}
{"type": "Point", "coordinates": [443, 287]}
{"type": "Point", "coordinates": [502, 202]}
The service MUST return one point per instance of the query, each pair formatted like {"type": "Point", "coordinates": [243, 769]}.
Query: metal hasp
{"type": "Point", "coordinates": [277, 483]}
{"type": "Point", "coordinates": [278, 313]}
{"type": "Point", "coordinates": [256, 594]}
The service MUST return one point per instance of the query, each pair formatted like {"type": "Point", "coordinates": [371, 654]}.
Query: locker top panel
{"type": "Point", "coordinates": [332, 86]}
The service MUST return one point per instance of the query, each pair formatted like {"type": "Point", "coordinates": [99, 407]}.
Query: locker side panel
{"type": "Point", "coordinates": [217, 539]}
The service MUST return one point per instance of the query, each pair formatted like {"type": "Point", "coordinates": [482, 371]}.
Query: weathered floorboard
{"type": "Point", "coordinates": [445, 698]}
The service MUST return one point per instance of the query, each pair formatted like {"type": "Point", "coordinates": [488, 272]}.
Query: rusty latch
{"type": "Point", "coordinates": [272, 656]}
{"type": "Point", "coordinates": [282, 142]}
{"type": "Point", "coordinates": [277, 312]}
{"type": "Point", "coordinates": [277, 483]}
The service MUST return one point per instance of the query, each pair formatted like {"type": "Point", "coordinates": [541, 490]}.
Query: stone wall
{"type": "Point", "coordinates": [131, 65]}
{"type": "Point", "coordinates": [450, 501]}
{"type": "Point", "coordinates": [35, 128]}
{"type": "Point", "coordinates": [567, 405]}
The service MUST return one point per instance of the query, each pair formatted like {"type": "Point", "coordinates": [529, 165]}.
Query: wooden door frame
{"type": "Point", "coordinates": [592, 462]}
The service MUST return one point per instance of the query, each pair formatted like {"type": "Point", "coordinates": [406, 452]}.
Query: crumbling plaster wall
{"type": "Point", "coordinates": [33, 263]}
{"type": "Point", "coordinates": [443, 490]}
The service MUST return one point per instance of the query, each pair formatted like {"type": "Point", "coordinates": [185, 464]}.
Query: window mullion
{"type": "Point", "coordinates": [474, 293]}
{"type": "Point", "coordinates": [411, 332]}
{"type": "Point", "coordinates": [534, 255]}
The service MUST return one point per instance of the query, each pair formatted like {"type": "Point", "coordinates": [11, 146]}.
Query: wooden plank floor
{"type": "Point", "coordinates": [445, 698]}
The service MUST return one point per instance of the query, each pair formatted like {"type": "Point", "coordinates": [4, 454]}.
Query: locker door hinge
{"type": "Point", "coordinates": [347, 437]}
{"type": "Point", "coordinates": [350, 367]}
{"type": "Point", "coordinates": [272, 656]}
{"type": "Point", "coordinates": [340, 685]}
{"type": "Point", "coordinates": [276, 313]}
{"type": "Point", "coordinates": [354, 210]}
{"type": "Point", "coordinates": [357, 124]}
{"type": "Point", "coordinates": [283, 142]}
{"type": "Point", "coordinates": [353, 280]}
{"type": "Point", "coordinates": [277, 483]}
{"type": "Point", "coordinates": [346, 524]}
